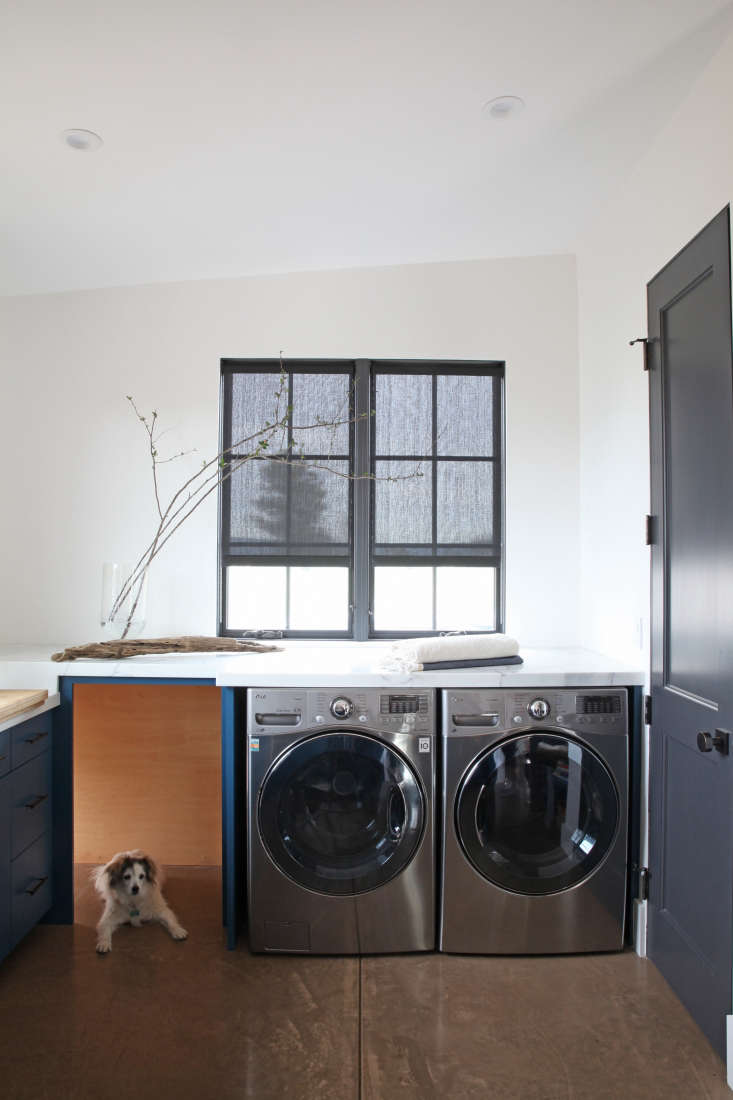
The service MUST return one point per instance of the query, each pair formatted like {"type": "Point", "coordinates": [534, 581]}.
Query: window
{"type": "Point", "coordinates": [375, 511]}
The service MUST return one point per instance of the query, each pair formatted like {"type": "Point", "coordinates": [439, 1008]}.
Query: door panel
{"type": "Point", "coordinates": [687, 771]}
{"type": "Point", "coordinates": [691, 793]}
{"type": "Point", "coordinates": [697, 412]}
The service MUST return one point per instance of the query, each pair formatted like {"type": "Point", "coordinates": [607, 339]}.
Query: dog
{"type": "Point", "coordinates": [130, 886]}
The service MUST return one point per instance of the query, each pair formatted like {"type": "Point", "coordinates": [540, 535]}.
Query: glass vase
{"type": "Point", "coordinates": [123, 604]}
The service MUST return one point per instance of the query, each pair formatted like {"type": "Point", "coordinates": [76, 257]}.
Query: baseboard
{"type": "Point", "coordinates": [640, 917]}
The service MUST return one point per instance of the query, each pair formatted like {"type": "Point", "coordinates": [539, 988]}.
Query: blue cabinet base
{"type": "Point", "coordinates": [26, 828]}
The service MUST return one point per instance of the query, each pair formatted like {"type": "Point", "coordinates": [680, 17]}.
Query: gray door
{"type": "Point", "coordinates": [691, 775]}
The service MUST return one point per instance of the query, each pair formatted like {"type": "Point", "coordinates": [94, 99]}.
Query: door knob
{"type": "Point", "coordinates": [706, 742]}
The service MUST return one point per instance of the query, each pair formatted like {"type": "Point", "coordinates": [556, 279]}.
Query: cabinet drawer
{"type": "Point", "coordinates": [29, 739]}
{"type": "Point", "coordinates": [31, 894]}
{"type": "Point", "coordinates": [5, 752]}
{"type": "Point", "coordinates": [4, 866]}
{"type": "Point", "coordinates": [30, 802]}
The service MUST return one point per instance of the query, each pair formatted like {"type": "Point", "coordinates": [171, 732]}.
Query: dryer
{"type": "Point", "coordinates": [535, 811]}
{"type": "Point", "coordinates": [341, 804]}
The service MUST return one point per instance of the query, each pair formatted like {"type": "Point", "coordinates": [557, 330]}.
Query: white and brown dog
{"type": "Point", "coordinates": [130, 885]}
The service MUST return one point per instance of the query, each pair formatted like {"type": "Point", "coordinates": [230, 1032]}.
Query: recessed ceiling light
{"type": "Point", "coordinates": [503, 107]}
{"type": "Point", "coordinates": [85, 141]}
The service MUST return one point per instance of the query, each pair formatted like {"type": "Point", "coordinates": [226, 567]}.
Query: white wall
{"type": "Point", "coordinates": [75, 487]}
{"type": "Point", "coordinates": [684, 180]}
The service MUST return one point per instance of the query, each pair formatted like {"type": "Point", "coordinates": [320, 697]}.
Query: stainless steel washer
{"type": "Point", "coordinates": [340, 801]}
{"type": "Point", "coordinates": [535, 797]}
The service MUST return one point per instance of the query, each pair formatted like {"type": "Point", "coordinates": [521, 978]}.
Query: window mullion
{"type": "Point", "coordinates": [434, 508]}
{"type": "Point", "coordinates": [362, 499]}
{"type": "Point", "coordinates": [499, 500]}
{"type": "Point", "coordinates": [289, 499]}
{"type": "Point", "coordinates": [224, 496]}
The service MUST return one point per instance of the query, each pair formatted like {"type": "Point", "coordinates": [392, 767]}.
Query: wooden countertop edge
{"type": "Point", "coordinates": [53, 701]}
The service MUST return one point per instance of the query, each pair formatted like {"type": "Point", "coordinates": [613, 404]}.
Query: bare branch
{"type": "Point", "coordinates": [150, 429]}
{"type": "Point", "coordinates": [198, 487]}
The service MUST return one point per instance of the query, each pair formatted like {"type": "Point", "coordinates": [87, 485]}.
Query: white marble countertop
{"type": "Point", "coordinates": [319, 664]}
{"type": "Point", "coordinates": [48, 704]}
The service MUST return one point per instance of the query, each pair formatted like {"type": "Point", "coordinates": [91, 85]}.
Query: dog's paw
{"type": "Point", "coordinates": [179, 934]}
{"type": "Point", "coordinates": [103, 947]}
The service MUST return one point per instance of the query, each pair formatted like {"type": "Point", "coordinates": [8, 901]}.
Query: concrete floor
{"type": "Point", "coordinates": [160, 1019]}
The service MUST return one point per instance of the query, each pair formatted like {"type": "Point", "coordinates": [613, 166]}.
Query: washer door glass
{"type": "Point", "coordinates": [537, 813]}
{"type": "Point", "coordinates": [341, 813]}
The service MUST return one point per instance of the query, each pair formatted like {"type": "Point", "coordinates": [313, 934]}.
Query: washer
{"type": "Point", "coordinates": [535, 797]}
{"type": "Point", "coordinates": [340, 800]}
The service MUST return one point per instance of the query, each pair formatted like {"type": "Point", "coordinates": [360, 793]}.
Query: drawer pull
{"type": "Point", "coordinates": [34, 889]}
{"type": "Point", "coordinates": [35, 801]}
{"type": "Point", "coordinates": [38, 737]}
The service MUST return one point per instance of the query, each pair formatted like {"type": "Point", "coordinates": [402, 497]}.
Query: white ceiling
{"type": "Point", "coordinates": [276, 135]}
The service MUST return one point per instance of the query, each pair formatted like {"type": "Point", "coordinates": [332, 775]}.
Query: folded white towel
{"type": "Point", "coordinates": [411, 654]}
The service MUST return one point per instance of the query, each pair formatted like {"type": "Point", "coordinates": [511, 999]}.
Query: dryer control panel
{"type": "Point", "coordinates": [602, 710]}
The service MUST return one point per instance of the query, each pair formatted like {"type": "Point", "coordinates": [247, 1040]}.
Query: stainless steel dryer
{"type": "Point", "coordinates": [340, 797]}
{"type": "Point", "coordinates": [535, 820]}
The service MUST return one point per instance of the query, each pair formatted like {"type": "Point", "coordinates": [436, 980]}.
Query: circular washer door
{"type": "Point", "coordinates": [341, 813]}
{"type": "Point", "coordinates": [537, 813]}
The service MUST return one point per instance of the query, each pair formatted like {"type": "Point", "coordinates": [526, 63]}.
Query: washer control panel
{"type": "Point", "coordinates": [277, 710]}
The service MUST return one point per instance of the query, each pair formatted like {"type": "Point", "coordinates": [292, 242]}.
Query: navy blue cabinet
{"type": "Point", "coordinates": [26, 850]}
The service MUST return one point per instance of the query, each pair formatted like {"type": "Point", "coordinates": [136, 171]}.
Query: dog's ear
{"type": "Point", "coordinates": [151, 869]}
{"type": "Point", "coordinates": [116, 868]}
{"type": "Point", "coordinates": [99, 878]}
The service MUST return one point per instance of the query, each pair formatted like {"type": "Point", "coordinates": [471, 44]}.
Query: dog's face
{"type": "Point", "coordinates": [131, 877]}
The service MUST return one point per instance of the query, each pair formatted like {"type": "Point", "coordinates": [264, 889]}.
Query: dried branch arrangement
{"type": "Point", "coordinates": [274, 442]}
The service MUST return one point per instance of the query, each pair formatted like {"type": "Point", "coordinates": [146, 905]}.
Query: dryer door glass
{"type": "Point", "coordinates": [537, 813]}
{"type": "Point", "coordinates": [341, 813]}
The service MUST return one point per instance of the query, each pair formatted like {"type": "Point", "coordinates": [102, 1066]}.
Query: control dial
{"type": "Point", "coordinates": [538, 708]}
{"type": "Point", "coordinates": [341, 707]}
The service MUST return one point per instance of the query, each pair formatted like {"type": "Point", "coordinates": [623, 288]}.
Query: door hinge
{"type": "Point", "coordinates": [645, 341]}
{"type": "Point", "coordinates": [647, 710]}
{"type": "Point", "coordinates": [649, 530]}
{"type": "Point", "coordinates": [644, 876]}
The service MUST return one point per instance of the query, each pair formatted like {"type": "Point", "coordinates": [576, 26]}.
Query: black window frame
{"type": "Point", "coordinates": [361, 556]}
